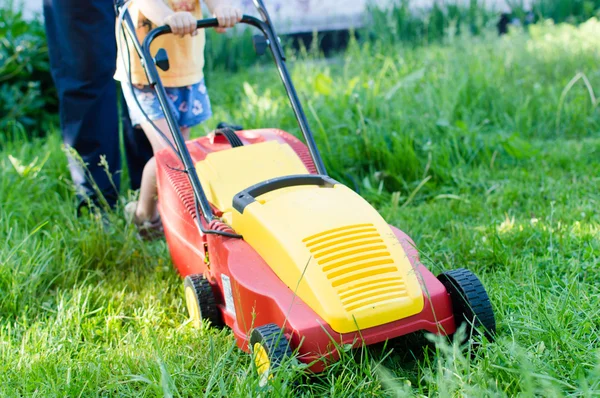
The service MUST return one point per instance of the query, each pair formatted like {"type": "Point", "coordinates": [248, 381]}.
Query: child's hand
{"type": "Point", "coordinates": [228, 16]}
{"type": "Point", "coordinates": [182, 23]}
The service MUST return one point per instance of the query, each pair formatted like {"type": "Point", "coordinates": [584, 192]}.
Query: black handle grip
{"type": "Point", "coordinates": [201, 24]}
{"type": "Point", "coordinates": [248, 195]}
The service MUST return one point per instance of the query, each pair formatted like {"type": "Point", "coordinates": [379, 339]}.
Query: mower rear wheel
{"type": "Point", "coordinates": [200, 301]}
{"type": "Point", "coordinates": [470, 302]}
{"type": "Point", "coordinates": [270, 347]}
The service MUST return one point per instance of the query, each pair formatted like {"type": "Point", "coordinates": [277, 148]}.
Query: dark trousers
{"type": "Point", "coordinates": [82, 48]}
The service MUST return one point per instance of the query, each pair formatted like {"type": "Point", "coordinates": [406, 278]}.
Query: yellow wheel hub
{"type": "Point", "coordinates": [193, 306]}
{"type": "Point", "coordinates": [261, 359]}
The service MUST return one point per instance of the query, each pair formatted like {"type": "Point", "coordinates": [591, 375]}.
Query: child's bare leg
{"type": "Point", "coordinates": [147, 209]}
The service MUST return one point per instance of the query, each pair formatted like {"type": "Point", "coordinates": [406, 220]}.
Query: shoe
{"type": "Point", "coordinates": [148, 230]}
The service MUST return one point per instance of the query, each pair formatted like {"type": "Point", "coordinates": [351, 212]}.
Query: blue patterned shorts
{"type": "Point", "coordinates": [190, 104]}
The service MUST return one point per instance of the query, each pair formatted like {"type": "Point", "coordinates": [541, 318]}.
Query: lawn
{"type": "Point", "coordinates": [485, 150]}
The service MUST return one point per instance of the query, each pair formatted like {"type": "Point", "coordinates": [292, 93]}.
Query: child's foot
{"type": "Point", "coordinates": [148, 229]}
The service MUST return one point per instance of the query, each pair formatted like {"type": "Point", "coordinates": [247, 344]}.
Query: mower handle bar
{"type": "Point", "coordinates": [272, 41]}
{"type": "Point", "coordinates": [212, 23]}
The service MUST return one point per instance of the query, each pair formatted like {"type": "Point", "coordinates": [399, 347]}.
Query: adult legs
{"type": "Point", "coordinates": [82, 50]}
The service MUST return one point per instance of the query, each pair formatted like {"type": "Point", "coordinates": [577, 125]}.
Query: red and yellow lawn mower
{"type": "Point", "coordinates": [288, 258]}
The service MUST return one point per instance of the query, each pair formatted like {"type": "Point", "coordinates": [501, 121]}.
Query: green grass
{"type": "Point", "coordinates": [472, 146]}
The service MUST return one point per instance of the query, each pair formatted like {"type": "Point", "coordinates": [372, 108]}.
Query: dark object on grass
{"type": "Point", "coordinates": [503, 23]}
{"type": "Point", "coordinates": [508, 19]}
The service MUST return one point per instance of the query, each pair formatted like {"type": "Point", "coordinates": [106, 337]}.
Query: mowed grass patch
{"type": "Point", "coordinates": [473, 147]}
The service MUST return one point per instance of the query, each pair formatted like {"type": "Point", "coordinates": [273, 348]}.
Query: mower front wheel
{"type": "Point", "coordinates": [200, 301]}
{"type": "Point", "coordinates": [471, 303]}
{"type": "Point", "coordinates": [270, 347]}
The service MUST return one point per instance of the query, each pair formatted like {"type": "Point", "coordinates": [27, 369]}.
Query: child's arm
{"type": "Point", "coordinates": [224, 10]}
{"type": "Point", "coordinates": [157, 11]}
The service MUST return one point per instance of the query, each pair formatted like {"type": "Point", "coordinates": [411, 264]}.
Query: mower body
{"type": "Point", "coordinates": [316, 260]}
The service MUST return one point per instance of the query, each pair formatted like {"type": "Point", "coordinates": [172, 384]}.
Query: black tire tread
{"type": "Point", "coordinates": [206, 299]}
{"type": "Point", "coordinates": [470, 300]}
{"type": "Point", "coordinates": [271, 337]}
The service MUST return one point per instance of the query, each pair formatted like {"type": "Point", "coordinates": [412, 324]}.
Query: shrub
{"type": "Point", "coordinates": [27, 95]}
{"type": "Point", "coordinates": [573, 11]}
{"type": "Point", "coordinates": [401, 22]}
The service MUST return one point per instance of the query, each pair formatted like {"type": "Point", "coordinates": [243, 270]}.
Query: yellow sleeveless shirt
{"type": "Point", "coordinates": [186, 55]}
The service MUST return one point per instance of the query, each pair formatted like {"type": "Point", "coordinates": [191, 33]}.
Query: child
{"type": "Point", "coordinates": [184, 83]}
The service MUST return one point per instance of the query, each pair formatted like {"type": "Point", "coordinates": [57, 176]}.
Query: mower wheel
{"type": "Point", "coordinates": [470, 301]}
{"type": "Point", "coordinates": [200, 300]}
{"type": "Point", "coordinates": [269, 348]}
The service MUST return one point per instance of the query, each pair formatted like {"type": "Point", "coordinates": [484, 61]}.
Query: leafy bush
{"type": "Point", "coordinates": [27, 94]}
{"type": "Point", "coordinates": [229, 53]}
{"type": "Point", "coordinates": [572, 11]}
{"type": "Point", "coordinates": [401, 22]}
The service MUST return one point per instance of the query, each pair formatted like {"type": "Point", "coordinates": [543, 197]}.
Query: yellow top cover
{"type": "Point", "coordinates": [329, 245]}
{"type": "Point", "coordinates": [225, 173]}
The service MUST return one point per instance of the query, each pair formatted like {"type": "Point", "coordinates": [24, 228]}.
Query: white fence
{"type": "Point", "coordinates": [322, 15]}
{"type": "Point", "coordinates": [291, 16]}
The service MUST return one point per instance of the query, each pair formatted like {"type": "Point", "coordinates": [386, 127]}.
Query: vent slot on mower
{"type": "Point", "coordinates": [358, 264]}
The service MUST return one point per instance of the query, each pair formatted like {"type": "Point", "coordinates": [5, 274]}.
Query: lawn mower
{"type": "Point", "coordinates": [293, 261]}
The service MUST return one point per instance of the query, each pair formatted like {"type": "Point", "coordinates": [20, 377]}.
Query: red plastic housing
{"type": "Point", "coordinates": [259, 295]}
